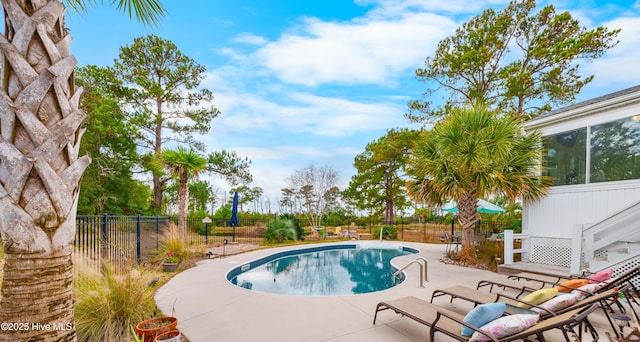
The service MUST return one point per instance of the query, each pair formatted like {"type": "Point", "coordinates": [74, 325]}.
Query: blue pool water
{"type": "Point", "coordinates": [321, 271]}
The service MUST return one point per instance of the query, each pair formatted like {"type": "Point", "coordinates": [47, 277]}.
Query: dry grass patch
{"type": "Point", "coordinates": [108, 304]}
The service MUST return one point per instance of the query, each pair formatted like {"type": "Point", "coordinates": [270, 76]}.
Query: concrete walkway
{"type": "Point", "coordinates": [209, 308]}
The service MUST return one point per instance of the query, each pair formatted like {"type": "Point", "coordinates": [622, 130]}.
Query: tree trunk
{"type": "Point", "coordinates": [183, 197]}
{"type": "Point", "coordinates": [37, 290]}
{"type": "Point", "coordinates": [39, 172]}
{"type": "Point", "coordinates": [389, 215]}
{"type": "Point", "coordinates": [468, 216]}
{"type": "Point", "coordinates": [157, 195]}
{"type": "Point", "coordinates": [158, 184]}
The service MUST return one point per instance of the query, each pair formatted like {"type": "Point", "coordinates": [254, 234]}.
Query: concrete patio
{"type": "Point", "coordinates": [210, 308]}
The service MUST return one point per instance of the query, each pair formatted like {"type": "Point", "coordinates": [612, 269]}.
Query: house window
{"type": "Point", "coordinates": [566, 157]}
{"type": "Point", "coordinates": [615, 150]}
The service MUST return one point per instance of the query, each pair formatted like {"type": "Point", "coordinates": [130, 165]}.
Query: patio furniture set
{"type": "Point", "coordinates": [547, 303]}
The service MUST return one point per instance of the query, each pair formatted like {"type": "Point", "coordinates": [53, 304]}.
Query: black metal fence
{"type": "Point", "coordinates": [433, 232]}
{"type": "Point", "coordinates": [126, 240]}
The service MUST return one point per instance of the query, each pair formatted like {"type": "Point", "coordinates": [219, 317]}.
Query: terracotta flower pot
{"type": "Point", "coordinates": [169, 336]}
{"type": "Point", "coordinates": [153, 327]}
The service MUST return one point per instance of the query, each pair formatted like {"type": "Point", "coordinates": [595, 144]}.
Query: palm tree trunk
{"type": "Point", "coordinates": [468, 216]}
{"type": "Point", "coordinates": [37, 294]}
{"type": "Point", "coordinates": [39, 171]}
{"type": "Point", "coordinates": [183, 198]}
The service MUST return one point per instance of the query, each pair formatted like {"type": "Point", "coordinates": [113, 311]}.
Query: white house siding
{"type": "Point", "coordinates": [566, 206]}
{"type": "Point", "coordinates": [549, 223]}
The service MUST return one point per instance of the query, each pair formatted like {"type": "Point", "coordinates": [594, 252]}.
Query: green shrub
{"type": "Point", "coordinates": [361, 222]}
{"type": "Point", "coordinates": [299, 231]}
{"type": "Point", "coordinates": [515, 223]}
{"type": "Point", "coordinates": [280, 229]}
{"type": "Point", "coordinates": [388, 232]}
{"type": "Point", "coordinates": [107, 304]}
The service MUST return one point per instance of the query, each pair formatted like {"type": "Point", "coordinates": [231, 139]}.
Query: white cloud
{"type": "Point", "coordinates": [340, 117]}
{"type": "Point", "coordinates": [392, 7]}
{"type": "Point", "coordinates": [229, 52]}
{"type": "Point", "coordinates": [294, 112]}
{"type": "Point", "coordinates": [280, 153]}
{"type": "Point", "coordinates": [620, 64]}
{"type": "Point", "coordinates": [363, 51]}
{"type": "Point", "coordinates": [249, 38]}
{"type": "Point", "coordinates": [260, 153]}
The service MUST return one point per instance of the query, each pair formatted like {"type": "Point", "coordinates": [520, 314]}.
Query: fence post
{"type": "Point", "coordinates": [206, 221]}
{"type": "Point", "coordinates": [424, 232]}
{"type": "Point", "coordinates": [576, 250]}
{"type": "Point", "coordinates": [138, 238]}
{"type": "Point", "coordinates": [104, 251]}
{"type": "Point", "coordinates": [157, 231]}
{"type": "Point", "coordinates": [508, 246]}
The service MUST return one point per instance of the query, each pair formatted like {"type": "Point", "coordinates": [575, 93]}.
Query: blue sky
{"type": "Point", "coordinates": [315, 81]}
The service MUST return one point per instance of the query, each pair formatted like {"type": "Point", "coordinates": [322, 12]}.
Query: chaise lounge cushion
{"type": "Point", "coordinates": [537, 297]}
{"type": "Point", "coordinates": [601, 276]}
{"type": "Point", "coordinates": [481, 315]}
{"type": "Point", "coordinates": [569, 285]}
{"type": "Point", "coordinates": [587, 290]}
{"type": "Point", "coordinates": [557, 303]}
{"type": "Point", "coordinates": [505, 326]}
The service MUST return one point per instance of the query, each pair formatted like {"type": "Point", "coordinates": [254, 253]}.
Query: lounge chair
{"type": "Point", "coordinates": [602, 299]}
{"type": "Point", "coordinates": [453, 243]}
{"type": "Point", "coordinates": [525, 282]}
{"type": "Point", "coordinates": [478, 297]}
{"type": "Point", "coordinates": [450, 323]}
{"type": "Point", "coordinates": [626, 277]}
{"type": "Point", "coordinates": [521, 286]}
{"type": "Point", "coordinates": [495, 237]}
{"type": "Point", "coordinates": [467, 294]}
{"type": "Point", "coordinates": [528, 282]}
{"type": "Point", "coordinates": [547, 279]}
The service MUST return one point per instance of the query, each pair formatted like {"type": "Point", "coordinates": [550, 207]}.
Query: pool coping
{"type": "Point", "coordinates": [302, 249]}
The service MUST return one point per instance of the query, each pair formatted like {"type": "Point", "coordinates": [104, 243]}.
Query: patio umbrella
{"type": "Point", "coordinates": [233, 222]}
{"type": "Point", "coordinates": [483, 207]}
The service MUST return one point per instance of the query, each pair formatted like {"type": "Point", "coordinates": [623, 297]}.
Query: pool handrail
{"type": "Point", "coordinates": [423, 270]}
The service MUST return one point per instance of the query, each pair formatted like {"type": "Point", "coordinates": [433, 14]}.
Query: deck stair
{"type": "Point", "coordinates": [617, 253]}
{"type": "Point", "coordinates": [614, 240]}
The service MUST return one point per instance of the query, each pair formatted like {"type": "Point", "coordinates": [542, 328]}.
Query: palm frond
{"type": "Point", "coordinates": [148, 12]}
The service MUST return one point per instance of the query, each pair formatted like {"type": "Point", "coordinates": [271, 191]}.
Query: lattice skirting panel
{"type": "Point", "coordinates": [550, 251]}
{"type": "Point", "coordinates": [626, 266]}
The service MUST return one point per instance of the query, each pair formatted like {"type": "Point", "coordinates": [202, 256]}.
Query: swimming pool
{"type": "Point", "coordinates": [341, 269]}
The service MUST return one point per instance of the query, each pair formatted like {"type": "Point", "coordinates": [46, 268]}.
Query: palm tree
{"type": "Point", "coordinates": [39, 165]}
{"type": "Point", "coordinates": [183, 164]}
{"type": "Point", "coordinates": [475, 153]}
